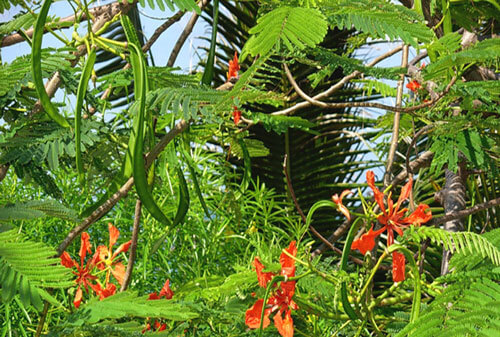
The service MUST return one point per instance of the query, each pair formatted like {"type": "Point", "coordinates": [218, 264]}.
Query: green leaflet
{"type": "Point", "coordinates": [208, 74]}
{"type": "Point", "coordinates": [36, 65]}
{"type": "Point", "coordinates": [26, 267]}
{"type": "Point", "coordinates": [296, 27]}
{"type": "Point", "coordinates": [139, 171]}
{"type": "Point", "coordinates": [80, 95]}
{"type": "Point", "coordinates": [129, 304]}
{"type": "Point", "coordinates": [345, 256]}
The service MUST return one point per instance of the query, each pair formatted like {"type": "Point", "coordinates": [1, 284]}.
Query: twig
{"type": "Point", "coordinates": [160, 30]}
{"type": "Point", "coordinates": [465, 212]}
{"type": "Point", "coordinates": [418, 58]}
{"type": "Point", "coordinates": [397, 116]}
{"type": "Point", "coordinates": [304, 219]}
{"type": "Point", "coordinates": [122, 192]}
{"type": "Point", "coordinates": [426, 129]}
{"type": "Point", "coordinates": [337, 85]}
{"type": "Point", "coordinates": [133, 246]}
{"type": "Point", "coordinates": [369, 104]}
{"type": "Point", "coordinates": [41, 322]}
{"type": "Point", "coordinates": [184, 35]}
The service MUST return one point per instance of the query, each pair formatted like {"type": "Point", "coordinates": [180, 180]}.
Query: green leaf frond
{"type": "Point", "coordinates": [470, 310]}
{"type": "Point", "coordinates": [373, 86]}
{"type": "Point", "coordinates": [329, 61]}
{"type": "Point", "coordinates": [295, 27]}
{"type": "Point", "coordinates": [128, 304]}
{"type": "Point", "coordinates": [461, 242]}
{"type": "Point", "coordinates": [36, 209]}
{"type": "Point", "coordinates": [16, 74]}
{"type": "Point", "coordinates": [23, 21]}
{"type": "Point", "coordinates": [380, 19]}
{"type": "Point", "coordinates": [26, 267]}
{"type": "Point", "coordinates": [255, 148]}
{"type": "Point", "coordinates": [280, 124]}
{"type": "Point", "coordinates": [6, 4]}
{"type": "Point", "coordinates": [182, 5]}
{"type": "Point", "coordinates": [485, 51]}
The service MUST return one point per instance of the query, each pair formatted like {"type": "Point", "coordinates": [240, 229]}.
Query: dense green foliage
{"type": "Point", "coordinates": [198, 182]}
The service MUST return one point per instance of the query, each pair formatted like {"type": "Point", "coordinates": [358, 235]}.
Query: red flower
{"type": "Point", "coordinates": [338, 200]}
{"type": "Point", "coordinates": [164, 292]}
{"type": "Point", "coordinates": [83, 272]}
{"type": "Point", "coordinates": [233, 67]}
{"type": "Point", "coordinates": [236, 115]}
{"type": "Point", "coordinates": [107, 259]}
{"type": "Point", "coordinates": [393, 220]}
{"type": "Point", "coordinates": [281, 301]}
{"type": "Point", "coordinates": [106, 292]}
{"type": "Point", "coordinates": [413, 85]}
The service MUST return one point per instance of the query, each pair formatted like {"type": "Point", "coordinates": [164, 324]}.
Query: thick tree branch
{"type": "Point", "coordinates": [3, 171]}
{"type": "Point", "coordinates": [122, 192]}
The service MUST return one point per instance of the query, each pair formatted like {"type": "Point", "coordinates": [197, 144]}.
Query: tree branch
{"type": "Point", "coordinates": [122, 192]}
{"type": "Point", "coordinates": [133, 246]}
{"type": "Point", "coordinates": [465, 212]}
{"type": "Point", "coordinates": [184, 35]}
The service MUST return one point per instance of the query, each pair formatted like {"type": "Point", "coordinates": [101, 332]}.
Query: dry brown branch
{"type": "Point", "coordinates": [122, 192]}
{"type": "Point", "coordinates": [184, 35]}
{"type": "Point", "coordinates": [61, 24]}
{"type": "Point", "coordinates": [133, 246]}
{"type": "Point", "coordinates": [336, 86]}
{"type": "Point", "coordinates": [397, 116]}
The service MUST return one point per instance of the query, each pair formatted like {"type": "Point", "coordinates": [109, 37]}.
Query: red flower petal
{"type": "Point", "coordinates": [413, 85]}
{"type": "Point", "coordinates": [118, 272]}
{"type": "Point", "coordinates": [287, 263]}
{"type": "Point", "coordinates": [262, 277]}
{"type": "Point", "coordinates": [236, 115]}
{"type": "Point", "coordinates": [153, 296]}
{"type": "Point", "coordinates": [338, 200]}
{"type": "Point", "coordinates": [122, 248]}
{"type": "Point", "coordinates": [405, 193]}
{"type": "Point", "coordinates": [166, 291]}
{"type": "Point", "coordinates": [84, 246]}
{"type": "Point", "coordinates": [421, 215]}
{"type": "Point", "coordinates": [398, 267]}
{"type": "Point", "coordinates": [284, 326]}
{"type": "Point", "coordinates": [67, 261]}
{"type": "Point", "coordinates": [367, 241]}
{"type": "Point", "coordinates": [78, 297]}
{"type": "Point", "coordinates": [379, 196]}
{"type": "Point", "coordinates": [101, 254]}
{"type": "Point", "coordinates": [233, 67]}
{"type": "Point", "coordinates": [114, 233]}
{"type": "Point", "coordinates": [252, 316]}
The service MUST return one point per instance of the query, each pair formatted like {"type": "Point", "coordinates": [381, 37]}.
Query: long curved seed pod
{"type": "Point", "coordinates": [139, 172]}
{"type": "Point", "coordinates": [36, 66]}
{"type": "Point", "coordinates": [80, 96]}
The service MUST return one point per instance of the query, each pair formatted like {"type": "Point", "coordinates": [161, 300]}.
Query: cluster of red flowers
{"type": "Point", "coordinates": [234, 67]}
{"type": "Point", "coordinates": [281, 300]}
{"type": "Point", "coordinates": [103, 259]}
{"type": "Point", "coordinates": [392, 220]}
{"type": "Point", "coordinates": [168, 294]}
{"type": "Point", "coordinates": [413, 85]}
